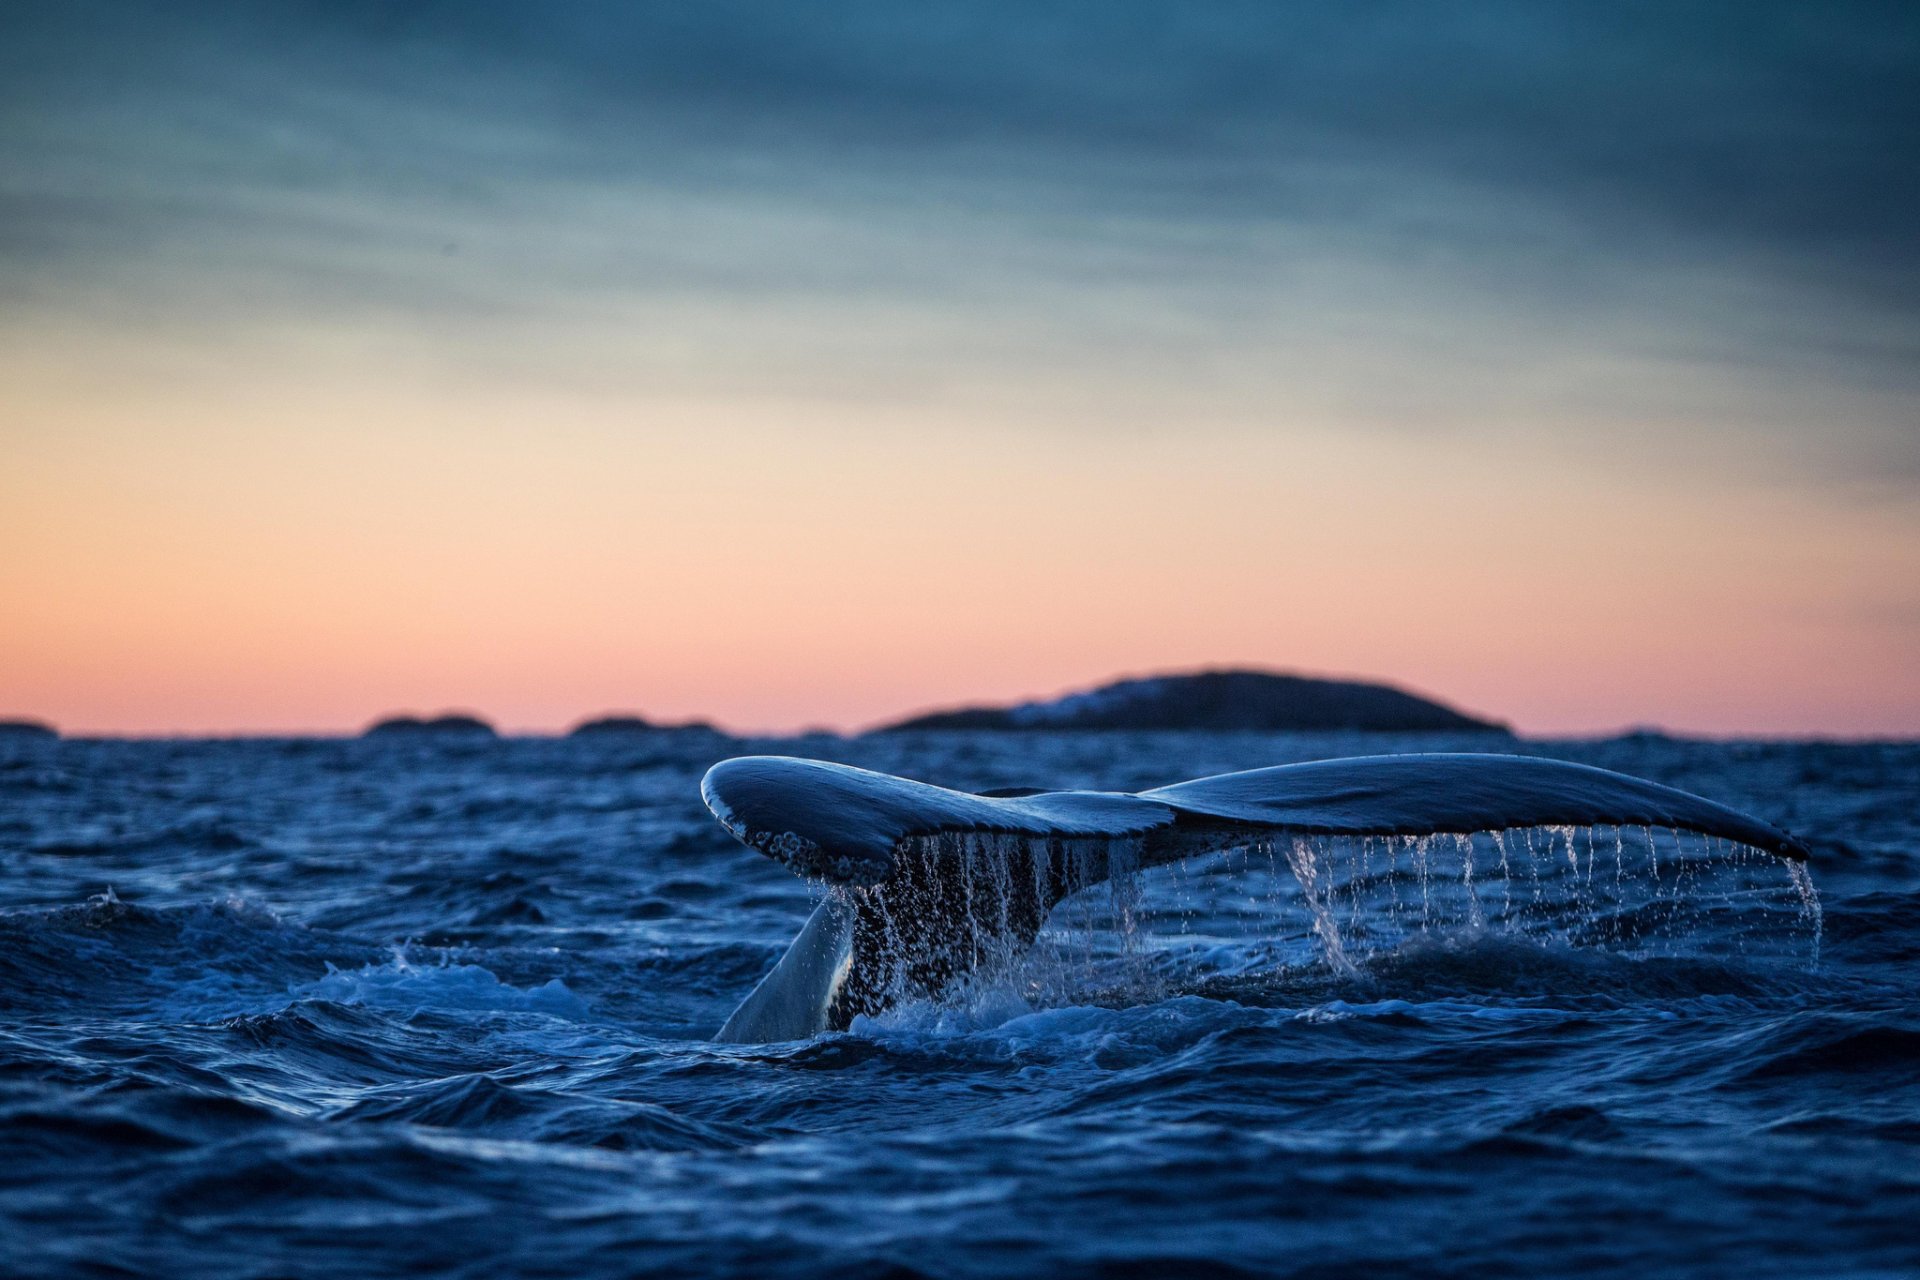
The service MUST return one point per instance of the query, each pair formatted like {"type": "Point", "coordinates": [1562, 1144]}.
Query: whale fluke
{"type": "Point", "coordinates": [928, 884]}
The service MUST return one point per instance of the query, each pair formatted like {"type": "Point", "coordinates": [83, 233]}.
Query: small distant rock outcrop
{"type": "Point", "coordinates": [454, 725]}
{"type": "Point", "coordinates": [1219, 701]}
{"type": "Point", "coordinates": [615, 725]}
{"type": "Point", "coordinates": [27, 731]}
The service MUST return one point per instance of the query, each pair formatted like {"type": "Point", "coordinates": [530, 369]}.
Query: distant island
{"type": "Point", "coordinates": [452, 725]}
{"type": "Point", "coordinates": [1218, 700]}
{"type": "Point", "coordinates": [16, 730]}
{"type": "Point", "coordinates": [615, 725]}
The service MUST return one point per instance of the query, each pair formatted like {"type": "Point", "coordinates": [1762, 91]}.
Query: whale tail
{"type": "Point", "coordinates": [928, 886]}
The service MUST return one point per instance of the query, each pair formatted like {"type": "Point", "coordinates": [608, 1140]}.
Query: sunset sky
{"type": "Point", "coordinates": [802, 365]}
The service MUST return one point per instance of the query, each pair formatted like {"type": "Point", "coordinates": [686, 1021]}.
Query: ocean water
{"type": "Point", "coordinates": [370, 1008]}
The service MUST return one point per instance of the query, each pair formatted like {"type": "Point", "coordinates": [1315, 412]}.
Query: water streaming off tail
{"type": "Point", "coordinates": [961, 913]}
{"type": "Point", "coordinates": [1053, 920]}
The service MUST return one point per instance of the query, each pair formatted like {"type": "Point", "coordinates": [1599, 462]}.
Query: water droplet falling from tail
{"type": "Point", "coordinates": [1315, 886]}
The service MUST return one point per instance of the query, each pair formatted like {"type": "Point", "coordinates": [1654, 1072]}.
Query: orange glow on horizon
{"type": "Point", "coordinates": [281, 554]}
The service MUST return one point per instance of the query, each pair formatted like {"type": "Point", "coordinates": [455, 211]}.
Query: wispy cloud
{"type": "Point", "coordinates": [1392, 213]}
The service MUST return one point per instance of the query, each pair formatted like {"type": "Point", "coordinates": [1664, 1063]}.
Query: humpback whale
{"type": "Point", "coordinates": [928, 885]}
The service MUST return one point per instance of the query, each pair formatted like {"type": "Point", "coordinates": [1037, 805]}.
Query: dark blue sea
{"type": "Point", "coordinates": [380, 1007]}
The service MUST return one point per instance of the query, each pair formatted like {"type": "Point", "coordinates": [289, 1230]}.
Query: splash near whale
{"type": "Point", "coordinates": [928, 887]}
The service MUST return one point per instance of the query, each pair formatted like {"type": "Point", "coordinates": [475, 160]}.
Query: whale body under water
{"type": "Point", "coordinates": [927, 886]}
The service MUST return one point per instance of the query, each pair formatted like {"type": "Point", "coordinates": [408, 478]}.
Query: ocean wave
{"type": "Point", "coordinates": [1852, 1045]}
{"type": "Point", "coordinates": [399, 983]}
{"type": "Point", "coordinates": [482, 1104]}
{"type": "Point", "coordinates": [197, 836]}
{"type": "Point", "coordinates": [195, 962]}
